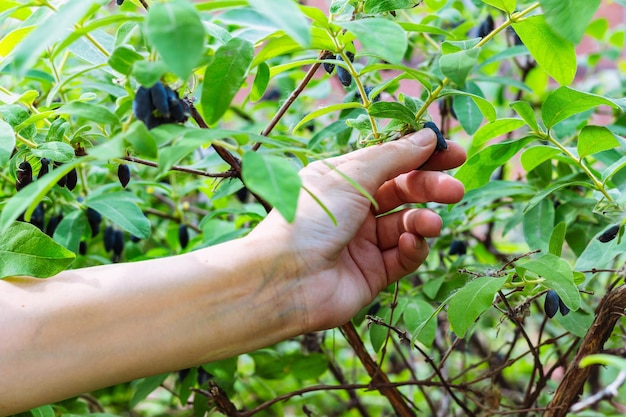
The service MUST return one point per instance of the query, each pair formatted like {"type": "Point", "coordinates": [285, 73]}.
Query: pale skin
{"type": "Point", "coordinates": [90, 328]}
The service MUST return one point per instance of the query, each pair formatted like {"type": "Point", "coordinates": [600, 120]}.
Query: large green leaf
{"type": "Point", "coordinates": [471, 301]}
{"type": "Point", "coordinates": [457, 65]}
{"type": "Point", "coordinates": [54, 28]}
{"type": "Point", "coordinates": [558, 276]}
{"type": "Point", "coordinates": [393, 110]}
{"type": "Point", "coordinates": [223, 77]}
{"type": "Point", "coordinates": [381, 6]}
{"type": "Point", "coordinates": [176, 31]}
{"type": "Point", "coordinates": [569, 18]}
{"type": "Point", "coordinates": [594, 139]}
{"type": "Point", "coordinates": [287, 16]}
{"type": "Point", "coordinates": [26, 250]}
{"type": "Point", "coordinates": [536, 155]}
{"type": "Point", "coordinates": [496, 128]}
{"type": "Point", "coordinates": [478, 169]}
{"type": "Point", "coordinates": [274, 179]}
{"type": "Point", "coordinates": [121, 208]}
{"type": "Point", "coordinates": [89, 111]}
{"type": "Point", "coordinates": [554, 54]}
{"type": "Point", "coordinates": [380, 37]}
{"type": "Point", "coordinates": [538, 224]}
{"type": "Point", "coordinates": [565, 102]}
{"type": "Point", "coordinates": [55, 151]}
{"type": "Point", "coordinates": [415, 315]}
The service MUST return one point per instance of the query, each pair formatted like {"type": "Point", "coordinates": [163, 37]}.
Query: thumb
{"type": "Point", "coordinates": [374, 165]}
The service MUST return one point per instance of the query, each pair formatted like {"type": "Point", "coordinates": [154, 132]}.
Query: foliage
{"type": "Point", "coordinates": [467, 333]}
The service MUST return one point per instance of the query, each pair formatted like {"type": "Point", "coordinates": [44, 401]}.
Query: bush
{"type": "Point", "coordinates": [142, 131]}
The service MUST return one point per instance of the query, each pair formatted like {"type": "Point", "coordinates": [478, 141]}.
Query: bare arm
{"type": "Point", "coordinates": [90, 328]}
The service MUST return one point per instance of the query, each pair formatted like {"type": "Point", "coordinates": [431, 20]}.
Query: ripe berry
{"type": "Point", "coordinates": [609, 234]}
{"type": "Point", "coordinates": [551, 304]}
{"type": "Point", "coordinates": [183, 236]}
{"type": "Point", "coordinates": [37, 218]}
{"type": "Point", "coordinates": [24, 175]}
{"type": "Point", "coordinates": [563, 308]}
{"type": "Point", "coordinates": [108, 238]}
{"type": "Point", "coordinates": [342, 73]}
{"type": "Point", "coordinates": [123, 174]}
{"type": "Point", "coordinates": [120, 2]}
{"type": "Point", "coordinates": [71, 179]}
{"type": "Point", "coordinates": [457, 247]}
{"type": "Point", "coordinates": [442, 145]}
{"type": "Point", "coordinates": [45, 162]}
{"type": "Point", "coordinates": [142, 104]}
{"type": "Point", "coordinates": [53, 222]}
{"type": "Point", "coordinates": [159, 99]}
{"type": "Point", "coordinates": [118, 245]}
{"type": "Point", "coordinates": [82, 247]}
{"type": "Point", "coordinates": [486, 27]}
{"type": "Point", "coordinates": [94, 218]}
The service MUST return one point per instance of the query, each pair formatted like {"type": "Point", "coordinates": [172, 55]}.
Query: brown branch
{"type": "Point", "coordinates": [227, 174]}
{"type": "Point", "coordinates": [290, 100]}
{"type": "Point", "coordinates": [610, 310]}
{"type": "Point", "coordinates": [220, 399]}
{"type": "Point", "coordinates": [406, 338]}
{"type": "Point", "coordinates": [394, 396]}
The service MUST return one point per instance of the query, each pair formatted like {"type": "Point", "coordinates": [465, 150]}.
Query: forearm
{"type": "Point", "coordinates": [95, 327]}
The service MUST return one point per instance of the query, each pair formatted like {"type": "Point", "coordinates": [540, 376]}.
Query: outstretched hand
{"type": "Point", "coordinates": [341, 268]}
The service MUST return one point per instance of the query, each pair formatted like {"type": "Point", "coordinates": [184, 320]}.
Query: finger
{"type": "Point", "coordinates": [372, 166]}
{"type": "Point", "coordinates": [422, 222]}
{"type": "Point", "coordinates": [404, 259]}
{"type": "Point", "coordinates": [452, 157]}
{"type": "Point", "coordinates": [419, 187]}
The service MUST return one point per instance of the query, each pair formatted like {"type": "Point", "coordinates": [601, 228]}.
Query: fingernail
{"type": "Point", "coordinates": [424, 137]}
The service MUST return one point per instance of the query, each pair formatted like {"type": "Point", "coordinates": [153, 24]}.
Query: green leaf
{"type": "Point", "coordinates": [142, 141]}
{"type": "Point", "coordinates": [120, 208]}
{"type": "Point", "coordinates": [7, 142]}
{"type": "Point", "coordinates": [457, 65]}
{"type": "Point", "coordinates": [478, 168]}
{"type": "Point", "coordinates": [274, 179]}
{"type": "Point", "coordinates": [261, 80]}
{"type": "Point", "coordinates": [393, 110]}
{"type": "Point", "coordinates": [43, 411]}
{"type": "Point", "coordinates": [223, 77]}
{"type": "Point", "coordinates": [471, 301]}
{"type": "Point", "coordinates": [89, 111]}
{"type": "Point", "coordinates": [176, 31]}
{"type": "Point", "coordinates": [594, 139]}
{"type": "Point", "coordinates": [504, 5]}
{"type": "Point", "coordinates": [536, 155]}
{"type": "Point", "coordinates": [526, 112]}
{"type": "Point", "coordinates": [381, 6]}
{"type": "Point", "coordinates": [310, 366]}
{"type": "Point", "coordinates": [56, 27]}
{"type": "Point", "coordinates": [558, 276]}
{"type": "Point", "coordinates": [496, 128]}
{"type": "Point", "coordinates": [55, 151]}
{"type": "Point", "coordinates": [557, 238]}
{"type": "Point", "coordinates": [145, 387]}
{"type": "Point", "coordinates": [415, 315]}
{"type": "Point", "coordinates": [70, 230]}
{"type": "Point", "coordinates": [123, 58]}
{"type": "Point", "coordinates": [569, 18]}
{"type": "Point", "coordinates": [468, 113]}
{"type": "Point", "coordinates": [26, 250]}
{"type": "Point", "coordinates": [554, 54]}
{"type": "Point", "coordinates": [287, 16]}
{"type": "Point", "coordinates": [379, 37]}
{"type": "Point", "coordinates": [565, 102]}
{"type": "Point", "coordinates": [538, 224]}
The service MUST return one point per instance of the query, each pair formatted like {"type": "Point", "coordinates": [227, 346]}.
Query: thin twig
{"type": "Point", "coordinates": [227, 174]}
{"type": "Point", "coordinates": [607, 393]}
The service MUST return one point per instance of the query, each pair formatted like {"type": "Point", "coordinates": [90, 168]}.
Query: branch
{"type": "Point", "coordinates": [610, 310]}
{"type": "Point", "coordinates": [606, 394]}
{"type": "Point", "coordinates": [394, 396]}
{"type": "Point", "coordinates": [290, 100]}
{"type": "Point", "coordinates": [227, 174]}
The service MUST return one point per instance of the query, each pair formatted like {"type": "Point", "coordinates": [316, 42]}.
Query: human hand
{"type": "Point", "coordinates": [335, 270]}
